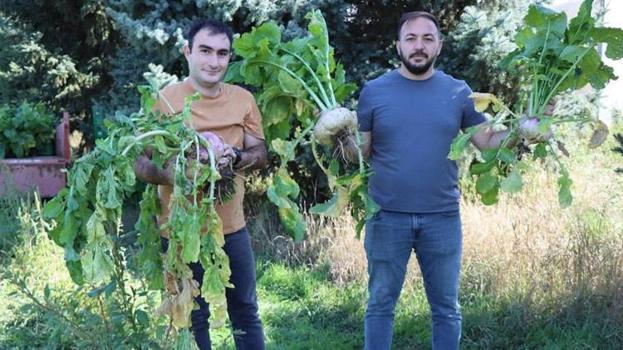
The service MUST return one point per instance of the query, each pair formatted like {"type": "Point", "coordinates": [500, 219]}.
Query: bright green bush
{"type": "Point", "coordinates": [26, 131]}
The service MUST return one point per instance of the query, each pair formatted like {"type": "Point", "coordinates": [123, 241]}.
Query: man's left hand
{"type": "Point", "coordinates": [231, 155]}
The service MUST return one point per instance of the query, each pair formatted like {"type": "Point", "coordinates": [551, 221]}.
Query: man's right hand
{"type": "Point", "coordinates": [147, 171]}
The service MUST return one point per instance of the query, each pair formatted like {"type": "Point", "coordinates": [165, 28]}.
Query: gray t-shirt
{"type": "Point", "coordinates": [412, 123]}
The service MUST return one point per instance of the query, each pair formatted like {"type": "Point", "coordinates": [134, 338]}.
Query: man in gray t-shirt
{"type": "Point", "coordinates": [408, 118]}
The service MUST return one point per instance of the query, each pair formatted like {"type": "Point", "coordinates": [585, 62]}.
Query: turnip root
{"type": "Point", "coordinates": [333, 122]}
{"type": "Point", "coordinates": [530, 132]}
{"type": "Point", "coordinates": [217, 143]}
{"type": "Point", "coordinates": [225, 185]}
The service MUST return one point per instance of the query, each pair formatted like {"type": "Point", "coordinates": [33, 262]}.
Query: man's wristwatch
{"type": "Point", "coordinates": [238, 153]}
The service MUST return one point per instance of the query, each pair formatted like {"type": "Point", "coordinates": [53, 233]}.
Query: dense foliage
{"type": "Point", "coordinates": [106, 45]}
{"type": "Point", "coordinates": [26, 130]}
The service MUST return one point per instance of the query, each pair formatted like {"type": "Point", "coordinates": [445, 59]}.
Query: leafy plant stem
{"type": "Point", "coordinates": [571, 69]}
{"type": "Point", "coordinates": [329, 103]}
{"type": "Point", "coordinates": [120, 272]}
{"type": "Point", "coordinates": [317, 157]}
{"type": "Point", "coordinates": [311, 93]}
{"type": "Point", "coordinates": [142, 137]}
{"type": "Point", "coordinates": [362, 168]}
{"type": "Point", "coordinates": [77, 329]}
{"type": "Point", "coordinates": [100, 304]}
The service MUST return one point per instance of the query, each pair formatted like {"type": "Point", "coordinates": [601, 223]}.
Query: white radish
{"type": "Point", "coordinates": [216, 142]}
{"type": "Point", "coordinates": [332, 122]}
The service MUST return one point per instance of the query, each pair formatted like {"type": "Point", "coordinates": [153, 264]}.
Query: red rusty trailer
{"type": "Point", "coordinates": [46, 174]}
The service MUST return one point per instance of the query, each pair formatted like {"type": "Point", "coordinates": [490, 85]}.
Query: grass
{"type": "Point", "coordinates": [534, 276]}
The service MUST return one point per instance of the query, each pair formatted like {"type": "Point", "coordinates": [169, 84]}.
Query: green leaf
{"type": "Point", "coordinates": [142, 318]}
{"type": "Point", "coordinates": [285, 149]}
{"type": "Point", "coordinates": [212, 285]}
{"type": "Point", "coordinates": [513, 183]}
{"type": "Point", "coordinates": [479, 168]}
{"type": "Point", "coordinates": [491, 197]}
{"type": "Point", "coordinates": [540, 151]}
{"type": "Point", "coordinates": [572, 53]}
{"type": "Point", "coordinates": [581, 25]}
{"type": "Point", "coordinates": [543, 18]}
{"type": "Point", "coordinates": [276, 110]}
{"type": "Point", "coordinates": [458, 145]}
{"type": "Point", "coordinates": [507, 156]}
{"type": "Point", "coordinates": [318, 29]}
{"type": "Point", "coordinates": [95, 228]}
{"type": "Point", "coordinates": [486, 182]}
{"type": "Point", "coordinates": [273, 196]}
{"type": "Point", "coordinates": [288, 84]}
{"type": "Point", "coordinates": [613, 37]}
{"type": "Point", "coordinates": [69, 231]}
{"type": "Point", "coordinates": [285, 185]}
{"type": "Point", "coordinates": [54, 207]}
{"type": "Point", "coordinates": [293, 221]}
{"type": "Point", "coordinates": [334, 206]}
{"type": "Point", "coordinates": [75, 271]}
{"type": "Point", "coordinates": [191, 241]}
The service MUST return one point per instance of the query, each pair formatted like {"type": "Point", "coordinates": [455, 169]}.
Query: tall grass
{"type": "Point", "coordinates": [40, 307]}
{"type": "Point", "coordinates": [534, 275]}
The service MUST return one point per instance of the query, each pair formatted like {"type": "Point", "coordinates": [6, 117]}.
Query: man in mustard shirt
{"type": "Point", "coordinates": [230, 112]}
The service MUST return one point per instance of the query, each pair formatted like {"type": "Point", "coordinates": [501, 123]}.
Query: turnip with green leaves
{"type": "Point", "coordinates": [301, 94]}
{"type": "Point", "coordinates": [88, 213]}
{"type": "Point", "coordinates": [333, 122]}
{"type": "Point", "coordinates": [552, 56]}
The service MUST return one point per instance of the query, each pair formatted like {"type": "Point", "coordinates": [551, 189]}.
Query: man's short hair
{"type": "Point", "coordinates": [417, 14]}
{"type": "Point", "coordinates": [211, 25]}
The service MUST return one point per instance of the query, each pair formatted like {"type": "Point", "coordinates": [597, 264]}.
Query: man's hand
{"type": "Point", "coordinates": [147, 171]}
{"type": "Point", "coordinates": [252, 156]}
{"type": "Point", "coordinates": [529, 126]}
{"type": "Point", "coordinates": [231, 155]}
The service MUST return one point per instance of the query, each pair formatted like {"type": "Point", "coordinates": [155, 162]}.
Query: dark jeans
{"type": "Point", "coordinates": [436, 239]}
{"type": "Point", "coordinates": [241, 300]}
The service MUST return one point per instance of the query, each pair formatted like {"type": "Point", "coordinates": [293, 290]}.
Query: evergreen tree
{"type": "Point", "coordinates": [55, 52]}
{"type": "Point", "coordinates": [89, 55]}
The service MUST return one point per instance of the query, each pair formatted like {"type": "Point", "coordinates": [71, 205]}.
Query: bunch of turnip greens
{"type": "Point", "coordinates": [298, 82]}
{"type": "Point", "coordinates": [553, 56]}
{"type": "Point", "coordinates": [88, 212]}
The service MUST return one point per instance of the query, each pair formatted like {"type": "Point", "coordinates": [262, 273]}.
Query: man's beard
{"type": "Point", "coordinates": [417, 69]}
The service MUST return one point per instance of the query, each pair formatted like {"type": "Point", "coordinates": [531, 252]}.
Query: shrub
{"type": "Point", "coordinates": [26, 131]}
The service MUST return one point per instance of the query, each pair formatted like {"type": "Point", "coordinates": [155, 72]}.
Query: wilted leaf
{"type": "Point", "coordinates": [483, 100]}
{"type": "Point", "coordinates": [334, 206]}
{"type": "Point", "coordinates": [600, 134]}
{"type": "Point", "coordinates": [562, 148]}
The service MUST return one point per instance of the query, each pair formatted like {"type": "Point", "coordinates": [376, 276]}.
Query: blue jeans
{"type": "Point", "coordinates": [241, 300]}
{"type": "Point", "coordinates": [436, 239]}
